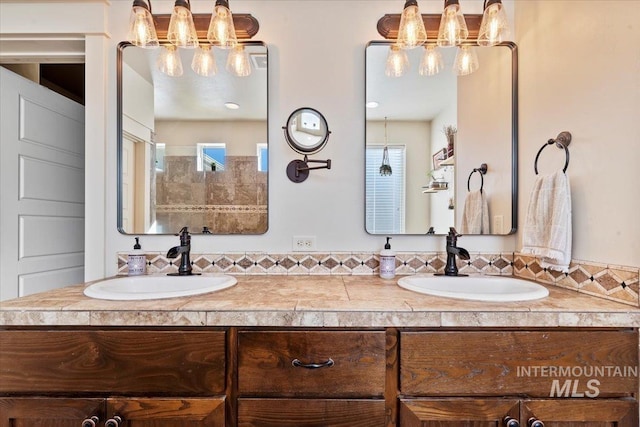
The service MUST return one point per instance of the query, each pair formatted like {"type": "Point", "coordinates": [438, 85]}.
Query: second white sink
{"type": "Point", "coordinates": [477, 288]}
{"type": "Point", "coordinates": [156, 287]}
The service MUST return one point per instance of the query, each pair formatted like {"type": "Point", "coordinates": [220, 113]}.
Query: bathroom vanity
{"type": "Point", "coordinates": [317, 351]}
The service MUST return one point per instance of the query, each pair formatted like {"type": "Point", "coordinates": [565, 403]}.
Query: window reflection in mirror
{"type": "Point", "coordinates": [185, 158]}
{"type": "Point", "coordinates": [481, 106]}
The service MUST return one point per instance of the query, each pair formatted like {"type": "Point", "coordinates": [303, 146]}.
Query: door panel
{"type": "Point", "coordinates": [456, 412]}
{"type": "Point", "coordinates": [41, 187]}
{"type": "Point", "coordinates": [158, 412]}
{"type": "Point", "coordinates": [45, 412]}
{"type": "Point", "coordinates": [582, 412]}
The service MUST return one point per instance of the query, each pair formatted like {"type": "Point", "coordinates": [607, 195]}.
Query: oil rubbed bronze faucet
{"type": "Point", "coordinates": [451, 269]}
{"type": "Point", "coordinates": [184, 250]}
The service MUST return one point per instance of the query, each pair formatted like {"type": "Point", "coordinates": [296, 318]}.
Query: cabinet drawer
{"type": "Point", "coordinates": [265, 363]}
{"type": "Point", "coordinates": [176, 362]}
{"type": "Point", "coordinates": [310, 413]}
{"type": "Point", "coordinates": [536, 363]}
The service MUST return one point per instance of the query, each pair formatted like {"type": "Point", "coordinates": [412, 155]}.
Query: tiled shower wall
{"type": "Point", "coordinates": [617, 283]}
{"type": "Point", "coordinates": [232, 201]}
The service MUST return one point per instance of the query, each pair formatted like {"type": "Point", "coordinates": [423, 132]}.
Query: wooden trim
{"type": "Point", "coordinates": [392, 381]}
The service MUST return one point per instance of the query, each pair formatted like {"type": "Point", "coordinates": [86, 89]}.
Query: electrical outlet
{"type": "Point", "coordinates": [304, 243]}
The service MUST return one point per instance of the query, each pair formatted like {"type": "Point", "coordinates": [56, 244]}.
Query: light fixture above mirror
{"type": "Point", "coordinates": [451, 29]}
{"type": "Point", "coordinates": [183, 29]}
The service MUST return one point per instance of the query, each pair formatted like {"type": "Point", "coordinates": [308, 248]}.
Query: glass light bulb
{"type": "Point", "coordinates": [397, 62]}
{"type": "Point", "coordinates": [411, 32]}
{"type": "Point", "coordinates": [182, 31]}
{"type": "Point", "coordinates": [431, 63]}
{"type": "Point", "coordinates": [494, 27]}
{"type": "Point", "coordinates": [169, 61]}
{"type": "Point", "coordinates": [466, 61]}
{"type": "Point", "coordinates": [222, 32]}
{"type": "Point", "coordinates": [453, 28]}
{"type": "Point", "coordinates": [204, 62]}
{"type": "Point", "coordinates": [142, 31]}
{"type": "Point", "coordinates": [238, 62]}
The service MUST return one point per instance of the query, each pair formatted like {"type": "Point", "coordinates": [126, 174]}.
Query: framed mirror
{"type": "Point", "coordinates": [306, 131]}
{"type": "Point", "coordinates": [192, 150]}
{"type": "Point", "coordinates": [437, 130]}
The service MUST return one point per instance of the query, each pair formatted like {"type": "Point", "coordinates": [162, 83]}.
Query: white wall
{"type": "Point", "coordinates": [316, 59]}
{"type": "Point", "coordinates": [588, 85]}
{"type": "Point", "coordinates": [240, 141]}
{"type": "Point", "coordinates": [580, 71]}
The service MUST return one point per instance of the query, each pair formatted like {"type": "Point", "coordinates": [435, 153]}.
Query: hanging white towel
{"type": "Point", "coordinates": [547, 228]}
{"type": "Point", "coordinates": [475, 215]}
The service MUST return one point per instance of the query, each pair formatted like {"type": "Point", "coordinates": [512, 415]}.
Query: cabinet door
{"type": "Point", "coordinates": [311, 412]}
{"type": "Point", "coordinates": [582, 412]}
{"type": "Point", "coordinates": [168, 412]}
{"type": "Point", "coordinates": [45, 412]}
{"type": "Point", "coordinates": [455, 412]}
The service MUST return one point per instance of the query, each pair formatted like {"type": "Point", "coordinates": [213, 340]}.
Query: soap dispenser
{"type": "Point", "coordinates": [137, 261]}
{"type": "Point", "coordinates": [387, 262]}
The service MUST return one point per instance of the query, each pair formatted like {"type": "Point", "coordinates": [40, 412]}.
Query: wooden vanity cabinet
{"type": "Point", "coordinates": [481, 377]}
{"type": "Point", "coordinates": [258, 377]}
{"type": "Point", "coordinates": [60, 377]}
{"type": "Point", "coordinates": [311, 378]}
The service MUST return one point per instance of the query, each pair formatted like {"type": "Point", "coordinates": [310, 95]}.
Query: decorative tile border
{"type": "Point", "coordinates": [177, 208]}
{"type": "Point", "coordinates": [612, 282]}
{"type": "Point", "coordinates": [318, 263]}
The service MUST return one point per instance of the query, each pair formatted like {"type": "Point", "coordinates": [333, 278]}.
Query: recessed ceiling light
{"type": "Point", "coordinates": [231, 105]}
{"type": "Point", "coordinates": [372, 104]}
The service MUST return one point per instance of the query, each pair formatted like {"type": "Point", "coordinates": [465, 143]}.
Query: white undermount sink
{"type": "Point", "coordinates": [477, 288]}
{"type": "Point", "coordinates": [157, 287]}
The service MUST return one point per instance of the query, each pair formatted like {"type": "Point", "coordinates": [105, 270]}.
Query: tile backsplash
{"type": "Point", "coordinates": [612, 282]}
{"type": "Point", "coordinates": [318, 263]}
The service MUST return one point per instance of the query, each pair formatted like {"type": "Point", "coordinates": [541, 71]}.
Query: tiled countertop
{"type": "Point", "coordinates": [315, 301]}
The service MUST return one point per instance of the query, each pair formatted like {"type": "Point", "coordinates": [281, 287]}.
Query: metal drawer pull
{"type": "Point", "coordinates": [298, 364]}
{"type": "Point", "coordinates": [510, 422]}
{"type": "Point", "coordinates": [534, 422]}
{"type": "Point", "coordinates": [113, 422]}
{"type": "Point", "coordinates": [91, 422]}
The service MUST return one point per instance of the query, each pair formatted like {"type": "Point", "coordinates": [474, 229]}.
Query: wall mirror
{"type": "Point", "coordinates": [192, 150]}
{"type": "Point", "coordinates": [426, 191]}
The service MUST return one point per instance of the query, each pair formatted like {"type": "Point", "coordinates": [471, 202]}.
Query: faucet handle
{"type": "Point", "coordinates": [183, 231]}
{"type": "Point", "coordinates": [453, 232]}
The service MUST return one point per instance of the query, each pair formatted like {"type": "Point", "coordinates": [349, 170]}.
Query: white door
{"type": "Point", "coordinates": [41, 188]}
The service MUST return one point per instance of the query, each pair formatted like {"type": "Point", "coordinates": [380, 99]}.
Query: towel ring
{"type": "Point", "coordinates": [481, 170]}
{"type": "Point", "coordinates": [562, 141]}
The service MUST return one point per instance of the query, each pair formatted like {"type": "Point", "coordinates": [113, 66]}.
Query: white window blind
{"type": "Point", "coordinates": [385, 195]}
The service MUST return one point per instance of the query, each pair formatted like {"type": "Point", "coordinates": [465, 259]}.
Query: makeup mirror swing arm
{"type": "Point", "coordinates": [298, 170]}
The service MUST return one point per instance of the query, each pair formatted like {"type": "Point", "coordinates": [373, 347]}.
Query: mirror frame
{"type": "Point", "coordinates": [295, 145]}
{"type": "Point", "coordinates": [514, 136]}
{"type": "Point", "coordinates": [119, 138]}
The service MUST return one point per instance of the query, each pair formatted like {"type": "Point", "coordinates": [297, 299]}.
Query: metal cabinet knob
{"type": "Point", "coordinates": [113, 422]}
{"type": "Point", "coordinates": [534, 422]}
{"type": "Point", "coordinates": [510, 422]}
{"type": "Point", "coordinates": [91, 421]}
